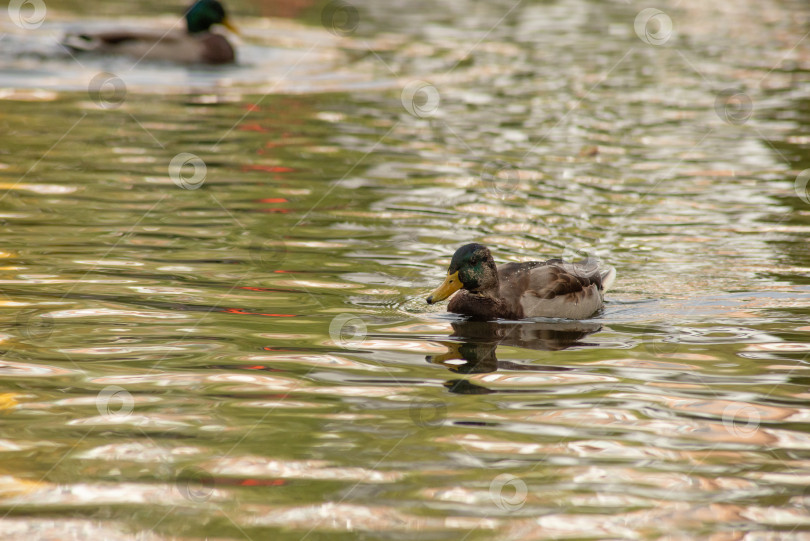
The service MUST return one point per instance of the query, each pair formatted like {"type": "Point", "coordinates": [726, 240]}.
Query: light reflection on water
{"type": "Point", "coordinates": [254, 358]}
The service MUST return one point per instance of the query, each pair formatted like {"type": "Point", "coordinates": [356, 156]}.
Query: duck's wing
{"type": "Point", "coordinates": [133, 43]}
{"type": "Point", "coordinates": [98, 41]}
{"type": "Point", "coordinates": [174, 46]}
{"type": "Point", "coordinates": [556, 288]}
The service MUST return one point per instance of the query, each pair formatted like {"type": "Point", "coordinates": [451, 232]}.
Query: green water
{"type": "Point", "coordinates": [242, 350]}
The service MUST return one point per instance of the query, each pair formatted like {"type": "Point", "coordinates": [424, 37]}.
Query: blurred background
{"type": "Point", "coordinates": [212, 320]}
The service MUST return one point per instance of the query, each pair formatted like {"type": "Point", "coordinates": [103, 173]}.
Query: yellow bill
{"type": "Point", "coordinates": [450, 285]}
{"type": "Point", "coordinates": [226, 22]}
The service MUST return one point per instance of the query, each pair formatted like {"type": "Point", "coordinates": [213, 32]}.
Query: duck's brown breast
{"type": "Point", "coordinates": [216, 49]}
{"type": "Point", "coordinates": [481, 307]}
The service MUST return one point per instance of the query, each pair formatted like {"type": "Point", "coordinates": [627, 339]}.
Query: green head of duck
{"type": "Point", "coordinates": [203, 14]}
{"type": "Point", "coordinates": [472, 268]}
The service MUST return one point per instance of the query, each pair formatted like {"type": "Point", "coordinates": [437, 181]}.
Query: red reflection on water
{"type": "Point", "coordinates": [246, 313]}
{"type": "Point", "coordinates": [262, 289]}
{"type": "Point", "coordinates": [267, 168]}
{"type": "Point", "coordinates": [253, 127]}
{"type": "Point", "coordinates": [228, 481]}
{"type": "Point", "coordinates": [263, 482]}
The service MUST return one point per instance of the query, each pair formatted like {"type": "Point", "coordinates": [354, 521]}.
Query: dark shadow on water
{"type": "Point", "coordinates": [473, 346]}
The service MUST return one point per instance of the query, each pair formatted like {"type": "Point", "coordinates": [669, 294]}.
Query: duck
{"type": "Point", "coordinates": [196, 45]}
{"type": "Point", "coordinates": [514, 291]}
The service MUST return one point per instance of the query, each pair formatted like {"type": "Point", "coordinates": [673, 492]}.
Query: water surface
{"type": "Point", "coordinates": [212, 314]}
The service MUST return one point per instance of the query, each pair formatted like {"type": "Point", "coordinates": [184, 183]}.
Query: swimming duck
{"type": "Point", "coordinates": [552, 288]}
{"type": "Point", "coordinates": [197, 45]}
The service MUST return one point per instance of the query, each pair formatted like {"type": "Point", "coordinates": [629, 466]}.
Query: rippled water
{"type": "Point", "coordinates": [252, 357]}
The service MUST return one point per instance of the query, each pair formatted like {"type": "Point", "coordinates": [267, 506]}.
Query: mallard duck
{"type": "Point", "coordinates": [552, 288]}
{"type": "Point", "coordinates": [197, 45]}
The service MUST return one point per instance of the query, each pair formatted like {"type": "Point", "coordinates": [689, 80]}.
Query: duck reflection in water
{"type": "Point", "coordinates": [474, 349]}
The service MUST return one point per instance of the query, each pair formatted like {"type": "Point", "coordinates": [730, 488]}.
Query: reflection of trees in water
{"type": "Point", "coordinates": [474, 350]}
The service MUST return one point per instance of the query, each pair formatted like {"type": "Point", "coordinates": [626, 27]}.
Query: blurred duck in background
{"type": "Point", "coordinates": [196, 45]}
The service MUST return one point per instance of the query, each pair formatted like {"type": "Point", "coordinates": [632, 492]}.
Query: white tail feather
{"type": "Point", "coordinates": [608, 277]}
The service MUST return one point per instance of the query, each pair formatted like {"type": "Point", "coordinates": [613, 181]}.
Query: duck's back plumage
{"type": "Point", "coordinates": [175, 46]}
{"type": "Point", "coordinates": [552, 288]}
